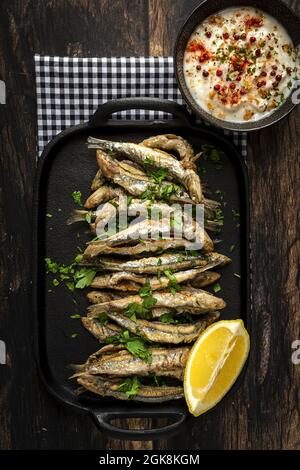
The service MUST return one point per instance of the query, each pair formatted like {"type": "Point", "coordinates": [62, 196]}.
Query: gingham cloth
{"type": "Point", "coordinates": [69, 90]}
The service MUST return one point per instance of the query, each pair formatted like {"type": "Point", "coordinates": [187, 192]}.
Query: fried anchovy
{"type": "Point", "coordinates": [159, 311]}
{"type": "Point", "coordinates": [186, 298]}
{"type": "Point", "coordinates": [144, 231]}
{"type": "Point", "coordinates": [99, 330]}
{"type": "Point", "coordinates": [135, 182]}
{"type": "Point", "coordinates": [174, 261]}
{"type": "Point", "coordinates": [126, 281]}
{"type": "Point", "coordinates": [117, 362]}
{"type": "Point", "coordinates": [171, 142]}
{"type": "Point", "coordinates": [97, 297]}
{"type": "Point", "coordinates": [137, 206]}
{"type": "Point", "coordinates": [104, 214]}
{"type": "Point", "coordinates": [162, 332]}
{"type": "Point", "coordinates": [103, 194]}
{"type": "Point", "coordinates": [111, 388]}
{"type": "Point", "coordinates": [204, 279]}
{"type": "Point", "coordinates": [98, 181]}
{"type": "Point", "coordinates": [143, 247]}
{"type": "Point", "coordinates": [158, 159]}
{"type": "Point", "coordinates": [139, 231]}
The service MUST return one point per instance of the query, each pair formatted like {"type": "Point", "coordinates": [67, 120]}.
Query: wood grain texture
{"type": "Point", "coordinates": [29, 417]}
{"type": "Point", "coordinates": [264, 412]}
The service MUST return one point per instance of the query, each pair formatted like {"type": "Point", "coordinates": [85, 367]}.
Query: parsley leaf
{"type": "Point", "coordinates": [171, 320]}
{"type": "Point", "coordinates": [84, 277]}
{"type": "Point", "coordinates": [103, 318]}
{"type": "Point", "coordinates": [76, 279]}
{"type": "Point", "coordinates": [76, 195]}
{"type": "Point", "coordinates": [130, 386]}
{"type": "Point", "coordinates": [217, 288]}
{"type": "Point", "coordinates": [219, 217]}
{"type": "Point", "coordinates": [88, 217]}
{"type": "Point", "coordinates": [136, 310]}
{"type": "Point", "coordinates": [168, 318]}
{"type": "Point", "coordinates": [51, 266]}
{"type": "Point", "coordinates": [145, 290]}
{"type": "Point", "coordinates": [173, 284]}
{"type": "Point", "coordinates": [159, 175]}
{"type": "Point", "coordinates": [134, 344]}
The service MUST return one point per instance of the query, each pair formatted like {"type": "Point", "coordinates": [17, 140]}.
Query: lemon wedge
{"type": "Point", "coordinates": [214, 363]}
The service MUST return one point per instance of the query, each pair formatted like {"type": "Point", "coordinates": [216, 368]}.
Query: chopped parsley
{"type": "Point", "coordinates": [159, 191]}
{"type": "Point", "coordinates": [218, 217]}
{"type": "Point", "coordinates": [168, 318]}
{"type": "Point", "coordinates": [51, 266]}
{"type": "Point", "coordinates": [134, 344]}
{"type": "Point", "coordinates": [76, 195]}
{"type": "Point", "coordinates": [136, 310]}
{"type": "Point", "coordinates": [78, 259]}
{"type": "Point", "coordinates": [130, 386]}
{"type": "Point", "coordinates": [212, 154]}
{"type": "Point", "coordinates": [103, 318]}
{"type": "Point", "coordinates": [88, 217]}
{"type": "Point", "coordinates": [75, 278]}
{"type": "Point", "coordinates": [173, 284]}
{"type": "Point", "coordinates": [217, 288]}
{"type": "Point", "coordinates": [171, 320]}
{"type": "Point", "coordinates": [84, 277]}
{"type": "Point", "coordinates": [158, 176]}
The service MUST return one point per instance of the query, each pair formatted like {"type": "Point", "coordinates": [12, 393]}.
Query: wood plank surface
{"type": "Point", "coordinates": [264, 413]}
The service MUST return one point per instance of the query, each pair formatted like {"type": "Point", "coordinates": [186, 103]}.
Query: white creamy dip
{"type": "Point", "coordinates": [240, 65]}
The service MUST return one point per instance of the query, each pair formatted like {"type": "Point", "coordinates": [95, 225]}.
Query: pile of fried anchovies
{"type": "Point", "coordinates": [147, 304]}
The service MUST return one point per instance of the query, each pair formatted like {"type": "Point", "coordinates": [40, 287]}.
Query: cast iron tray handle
{"type": "Point", "coordinates": [152, 104]}
{"type": "Point", "coordinates": [103, 421]}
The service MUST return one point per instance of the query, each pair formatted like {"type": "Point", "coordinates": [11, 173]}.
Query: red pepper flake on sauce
{"type": "Point", "coordinates": [253, 22]}
{"type": "Point", "coordinates": [198, 47]}
{"type": "Point", "coordinates": [195, 46]}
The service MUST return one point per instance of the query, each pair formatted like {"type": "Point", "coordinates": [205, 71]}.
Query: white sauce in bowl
{"type": "Point", "coordinates": [240, 65]}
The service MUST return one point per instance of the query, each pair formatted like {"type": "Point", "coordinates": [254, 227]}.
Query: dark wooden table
{"type": "Point", "coordinates": [265, 412]}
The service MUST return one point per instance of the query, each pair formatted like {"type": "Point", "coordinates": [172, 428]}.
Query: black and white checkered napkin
{"type": "Point", "coordinates": [69, 90]}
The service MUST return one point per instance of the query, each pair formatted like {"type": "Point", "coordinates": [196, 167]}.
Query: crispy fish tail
{"type": "Point", "coordinates": [77, 215]}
